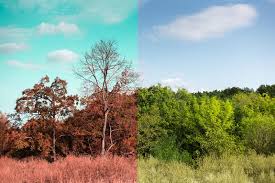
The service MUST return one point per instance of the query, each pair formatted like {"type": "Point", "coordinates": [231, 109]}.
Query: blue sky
{"type": "Point", "coordinates": [207, 44]}
{"type": "Point", "coordinates": [39, 37]}
{"type": "Point", "coordinates": [196, 44]}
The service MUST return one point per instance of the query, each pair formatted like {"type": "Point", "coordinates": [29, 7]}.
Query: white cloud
{"type": "Point", "coordinates": [8, 48]}
{"type": "Point", "coordinates": [14, 33]}
{"type": "Point", "coordinates": [214, 21]}
{"type": "Point", "coordinates": [103, 11]}
{"type": "Point", "coordinates": [19, 64]}
{"type": "Point", "coordinates": [174, 83]}
{"type": "Point", "coordinates": [62, 27]}
{"type": "Point", "coordinates": [62, 56]}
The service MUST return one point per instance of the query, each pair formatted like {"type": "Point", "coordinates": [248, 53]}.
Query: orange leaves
{"type": "Point", "coordinates": [45, 101]}
{"type": "Point", "coordinates": [85, 126]}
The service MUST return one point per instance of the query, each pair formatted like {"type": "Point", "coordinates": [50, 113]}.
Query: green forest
{"type": "Point", "coordinates": [187, 137]}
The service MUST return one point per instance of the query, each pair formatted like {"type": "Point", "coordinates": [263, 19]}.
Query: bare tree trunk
{"type": "Point", "coordinates": [111, 139]}
{"type": "Point", "coordinates": [106, 111]}
{"type": "Point", "coordinates": [54, 144]}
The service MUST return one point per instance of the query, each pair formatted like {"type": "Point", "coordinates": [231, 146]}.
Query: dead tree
{"type": "Point", "coordinates": [106, 73]}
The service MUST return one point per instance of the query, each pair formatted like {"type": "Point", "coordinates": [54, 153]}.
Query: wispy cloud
{"type": "Point", "coordinates": [12, 33]}
{"type": "Point", "coordinates": [62, 27]}
{"type": "Point", "coordinates": [110, 11]}
{"type": "Point", "coordinates": [62, 56]}
{"type": "Point", "coordinates": [9, 48]}
{"type": "Point", "coordinates": [9, 33]}
{"type": "Point", "coordinates": [105, 11]}
{"type": "Point", "coordinates": [22, 65]}
{"type": "Point", "coordinates": [212, 22]}
{"type": "Point", "coordinates": [41, 6]}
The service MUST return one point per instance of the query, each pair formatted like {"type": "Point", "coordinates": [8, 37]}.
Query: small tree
{"type": "Point", "coordinates": [103, 70]}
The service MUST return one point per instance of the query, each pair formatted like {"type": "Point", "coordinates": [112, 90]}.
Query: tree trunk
{"type": "Point", "coordinates": [90, 148]}
{"type": "Point", "coordinates": [54, 144]}
{"type": "Point", "coordinates": [106, 111]}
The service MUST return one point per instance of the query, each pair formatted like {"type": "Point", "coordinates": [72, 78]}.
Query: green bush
{"type": "Point", "coordinates": [167, 150]}
{"type": "Point", "coordinates": [259, 133]}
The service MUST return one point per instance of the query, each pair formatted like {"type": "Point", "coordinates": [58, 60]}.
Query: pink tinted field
{"type": "Point", "coordinates": [69, 170]}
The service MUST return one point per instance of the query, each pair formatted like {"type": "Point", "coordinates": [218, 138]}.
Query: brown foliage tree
{"type": "Point", "coordinates": [122, 126]}
{"type": "Point", "coordinates": [44, 106]}
{"type": "Point", "coordinates": [84, 129]}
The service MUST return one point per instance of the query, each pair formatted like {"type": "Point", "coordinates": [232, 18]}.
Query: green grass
{"type": "Point", "coordinates": [226, 169]}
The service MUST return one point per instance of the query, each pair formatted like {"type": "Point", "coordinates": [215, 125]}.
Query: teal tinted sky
{"type": "Point", "coordinates": [39, 37]}
{"type": "Point", "coordinates": [207, 44]}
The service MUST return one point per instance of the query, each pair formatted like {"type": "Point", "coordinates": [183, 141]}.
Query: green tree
{"type": "Point", "coordinates": [267, 89]}
{"type": "Point", "coordinates": [214, 119]}
{"type": "Point", "coordinates": [150, 131]}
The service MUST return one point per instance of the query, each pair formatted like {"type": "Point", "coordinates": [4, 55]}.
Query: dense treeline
{"type": "Point", "coordinates": [171, 125]}
{"type": "Point", "coordinates": [183, 126]}
{"type": "Point", "coordinates": [49, 123]}
{"type": "Point", "coordinates": [230, 92]}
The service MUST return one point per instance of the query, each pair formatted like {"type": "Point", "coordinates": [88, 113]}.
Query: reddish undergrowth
{"type": "Point", "coordinates": [69, 170]}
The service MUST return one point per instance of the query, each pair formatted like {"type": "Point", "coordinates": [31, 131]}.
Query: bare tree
{"type": "Point", "coordinates": [106, 73]}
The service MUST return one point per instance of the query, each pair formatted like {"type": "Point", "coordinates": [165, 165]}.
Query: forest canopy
{"type": "Point", "coordinates": [183, 126]}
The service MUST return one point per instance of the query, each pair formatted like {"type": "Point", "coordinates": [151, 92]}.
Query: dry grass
{"type": "Point", "coordinates": [226, 169]}
{"type": "Point", "coordinates": [70, 170]}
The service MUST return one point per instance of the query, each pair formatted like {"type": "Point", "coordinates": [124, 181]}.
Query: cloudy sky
{"type": "Point", "coordinates": [199, 45]}
{"type": "Point", "coordinates": [39, 37]}
{"type": "Point", "coordinates": [207, 44]}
